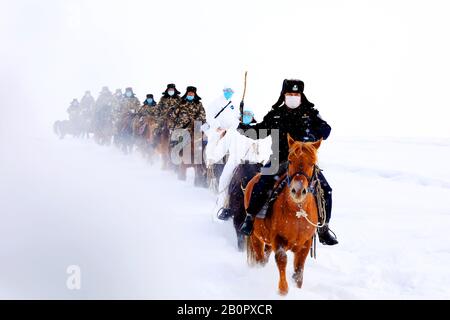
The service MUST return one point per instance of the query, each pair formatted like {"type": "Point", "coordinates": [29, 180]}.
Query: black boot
{"type": "Point", "coordinates": [326, 236]}
{"type": "Point", "coordinates": [225, 214]}
{"type": "Point", "coordinates": [247, 226]}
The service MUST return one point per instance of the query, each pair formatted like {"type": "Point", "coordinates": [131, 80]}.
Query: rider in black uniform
{"type": "Point", "coordinates": [292, 114]}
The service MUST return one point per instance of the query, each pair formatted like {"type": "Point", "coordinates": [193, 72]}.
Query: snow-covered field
{"type": "Point", "coordinates": [137, 232]}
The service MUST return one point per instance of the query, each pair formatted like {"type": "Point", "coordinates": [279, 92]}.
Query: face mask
{"type": "Point", "coordinates": [129, 94]}
{"type": "Point", "coordinates": [149, 100]}
{"type": "Point", "coordinates": [246, 119]}
{"type": "Point", "coordinates": [190, 98]}
{"type": "Point", "coordinates": [228, 94]}
{"type": "Point", "coordinates": [171, 92]}
{"type": "Point", "coordinates": [293, 101]}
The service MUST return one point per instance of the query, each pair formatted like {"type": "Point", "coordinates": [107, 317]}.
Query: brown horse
{"type": "Point", "coordinates": [144, 133]}
{"type": "Point", "coordinates": [195, 159]}
{"type": "Point", "coordinates": [103, 127]}
{"type": "Point", "coordinates": [293, 221]}
{"type": "Point", "coordinates": [164, 147]}
{"type": "Point", "coordinates": [124, 132]}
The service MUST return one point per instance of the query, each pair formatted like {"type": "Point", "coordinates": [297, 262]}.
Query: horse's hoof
{"type": "Point", "coordinates": [283, 288]}
{"type": "Point", "coordinates": [283, 292]}
{"type": "Point", "coordinates": [298, 277]}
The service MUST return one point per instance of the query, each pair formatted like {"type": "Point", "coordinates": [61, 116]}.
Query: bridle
{"type": "Point", "coordinates": [303, 173]}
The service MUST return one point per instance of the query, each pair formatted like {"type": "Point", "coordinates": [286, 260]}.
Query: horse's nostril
{"type": "Point", "coordinates": [304, 191]}
{"type": "Point", "coordinates": [293, 190]}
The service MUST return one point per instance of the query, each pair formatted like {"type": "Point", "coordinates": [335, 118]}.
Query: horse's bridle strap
{"type": "Point", "coordinates": [302, 173]}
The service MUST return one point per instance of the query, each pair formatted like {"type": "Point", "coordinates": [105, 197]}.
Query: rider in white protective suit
{"type": "Point", "coordinates": [223, 139]}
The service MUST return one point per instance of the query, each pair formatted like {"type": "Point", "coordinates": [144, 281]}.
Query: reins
{"type": "Point", "coordinates": [314, 188]}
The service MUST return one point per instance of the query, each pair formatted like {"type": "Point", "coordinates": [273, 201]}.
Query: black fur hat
{"type": "Point", "coordinates": [150, 96]}
{"type": "Point", "coordinates": [191, 89]}
{"type": "Point", "coordinates": [130, 89]}
{"type": "Point", "coordinates": [171, 86]}
{"type": "Point", "coordinates": [105, 90]}
{"type": "Point", "coordinates": [292, 86]}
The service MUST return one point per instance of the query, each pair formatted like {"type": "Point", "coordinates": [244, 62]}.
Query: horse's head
{"type": "Point", "coordinates": [302, 159]}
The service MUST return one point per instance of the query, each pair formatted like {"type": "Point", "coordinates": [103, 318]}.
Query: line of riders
{"type": "Point", "coordinates": [231, 156]}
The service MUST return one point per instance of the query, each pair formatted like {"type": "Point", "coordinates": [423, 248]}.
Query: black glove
{"type": "Point", "coordinates": [243, 126]}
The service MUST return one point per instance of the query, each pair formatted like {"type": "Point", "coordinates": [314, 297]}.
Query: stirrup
{"type": "Point", "coordinates": [224, 214]}
{"type": "Point", "coordinates": [263, 212]}
{"type": "Point", "coordinates": [247, 226]}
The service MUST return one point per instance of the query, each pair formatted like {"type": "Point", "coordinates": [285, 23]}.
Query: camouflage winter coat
{"type": "Point", "coordinates": [74, 111]}
{"type": "Point", "coordinates": [116, 105]}
{"type": "Point", "coordinates": [105, 99]}
{"type": "Point", "coordinates": [148, 110]}
{"type": "Point", "coordinates": [87, 104]}
{"type": "Point", "coordinates": [186, 114]}
{"type": "Point", "coordinates": [103, 107]}
{"type": "Point", "coordinates": [164, 110]}
{"type": "Point", "coordinates": [130, 105]}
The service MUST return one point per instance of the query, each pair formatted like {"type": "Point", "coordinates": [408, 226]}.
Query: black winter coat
{"type": "Point", "coordinates": [303, 124]}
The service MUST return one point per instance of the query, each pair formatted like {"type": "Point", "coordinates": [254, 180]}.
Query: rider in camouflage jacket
{"type": "Point", "coordinates": [87, 104]}
{"type": "Point", "coordinates": [103, 107]}
{"type": "Point", "coordinates": [130, 104]}
{"type": "Point", "coordinates": [149, 107]}
{"type": "Point", "coordinates": [165, 108]}
{"type": "Point", "coordinates": [190, 110]}
{"type": "Point", "coordinates": [74, 109]}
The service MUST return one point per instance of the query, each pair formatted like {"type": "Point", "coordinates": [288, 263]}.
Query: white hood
{"type": "Point", "coordinates": [228, 118]}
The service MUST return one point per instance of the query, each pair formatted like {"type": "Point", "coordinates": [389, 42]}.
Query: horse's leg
{"type": "Point", "coordinates": [240, 240]}
{"type": "Point", "coordinates": [200, 176]}
{"type": "Point", "coordinates": [197, 178]}
{"type": "Point", "coordinates": [281, 259]}
{"type": "Point", "coordinates": [165, 161]}
{"type": "Point", "coordinates": [300, 256]}
{"type": "Point", "coordinates": [164, 150]}
{"type": "Point", "coordinates": [267, 252]}
{"type": "Point", "coordinates": [203, 175]}
{"type": "Point", "coordinates": [258, 250]}
{"type": "Point", "coordinates": [181, 172]}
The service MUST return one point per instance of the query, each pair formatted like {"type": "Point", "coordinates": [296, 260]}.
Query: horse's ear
{"type": "Point", "coordinates": [317, 144]}
{"type": "Point", "coordinates": [290, 141]}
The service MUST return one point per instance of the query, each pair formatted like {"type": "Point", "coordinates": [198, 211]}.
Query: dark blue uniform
{"type": "Point", "coordinates": [303, 124]}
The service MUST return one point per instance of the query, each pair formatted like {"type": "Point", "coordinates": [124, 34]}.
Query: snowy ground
{"type": "Point", "coordinates": [137, 232]}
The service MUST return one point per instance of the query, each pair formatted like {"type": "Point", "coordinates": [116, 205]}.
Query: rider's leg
{"type": "Point", "coordinates": [259, 199]}
{"type": "Point", "coordinates": [325, 235]}
{"type": "Point", "coordinates": [258, 203]}
{"type": "Point", "coordinates": [224, 212]}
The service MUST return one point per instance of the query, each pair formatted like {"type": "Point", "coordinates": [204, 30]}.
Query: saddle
{"type": "Point", "coordinates": [280, 184]}
{"type": "Point", "coordinates": [278, 187]}
{"type": "Point", "coordinates": [142, 125]}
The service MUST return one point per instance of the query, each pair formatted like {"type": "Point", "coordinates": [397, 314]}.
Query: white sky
{"type": "Point", "coordinates": [373, 68]}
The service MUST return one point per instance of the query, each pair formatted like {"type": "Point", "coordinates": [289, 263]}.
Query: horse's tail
{"type": "Point", "coordinates": [251, 256]}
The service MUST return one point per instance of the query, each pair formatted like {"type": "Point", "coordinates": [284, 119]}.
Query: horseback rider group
{"type": "Point", "coordinates": [230, 135]}
{"type": "Point", "coordinates": [292, 115]}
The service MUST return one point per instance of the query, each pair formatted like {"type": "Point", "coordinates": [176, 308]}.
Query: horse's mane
{"type": "Point", "coordinates": [305, 149]}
